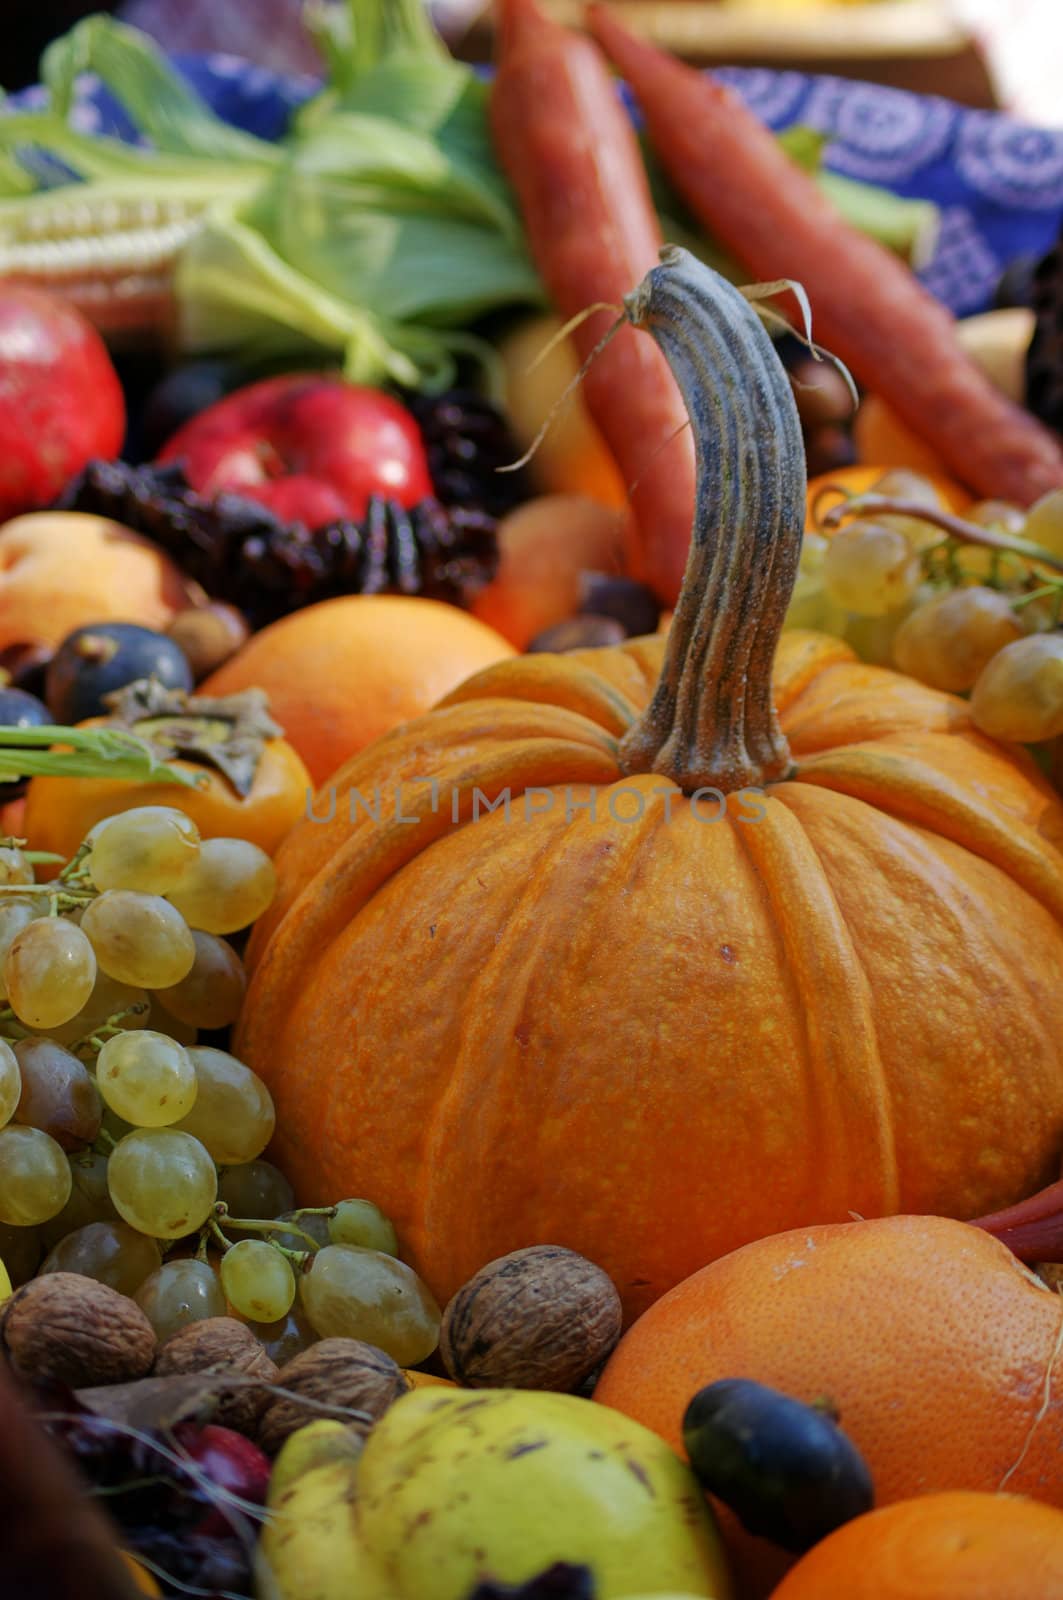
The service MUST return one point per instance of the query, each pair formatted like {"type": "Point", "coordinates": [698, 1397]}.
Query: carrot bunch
{"type": "Point", "coordinates": [572, 157]}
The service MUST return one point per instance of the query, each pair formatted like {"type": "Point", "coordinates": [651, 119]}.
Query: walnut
{"type": "Point", "coordinates": [76, 1331]}
{"type": "Point", "coordinates": [221, 1344]}
{"type": "Point", "coordinates": [541, 1318]}
{"type": "Point", "coordinates": [339, 1376]}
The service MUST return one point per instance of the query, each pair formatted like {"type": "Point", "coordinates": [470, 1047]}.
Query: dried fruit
{"type": "Point", "coordinates": [74, 1330]}
{"type": "Point", "coordinates": [334, 1378]}
{"type": "Point", "coordinates": [540, 1318]}
{"type": "Point", "coordinates": [221, 1344]}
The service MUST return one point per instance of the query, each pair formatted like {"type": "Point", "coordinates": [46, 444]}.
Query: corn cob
{"type": "Point", "coordinates": [109, 248]}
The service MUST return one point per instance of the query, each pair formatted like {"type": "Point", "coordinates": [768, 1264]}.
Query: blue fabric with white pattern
{"type": "Point", "coordinates": [998, 182]}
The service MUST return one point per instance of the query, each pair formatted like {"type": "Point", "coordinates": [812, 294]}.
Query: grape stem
{"type": "Point", "coordinates": [300, 1259]}
{"type": "Point", "coordinates": [861, 505]}
{"type": "Point", "coordinates": [95, 1041]}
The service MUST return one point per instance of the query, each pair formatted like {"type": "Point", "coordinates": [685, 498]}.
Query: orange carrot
{"type": "Point", "coordinates": [570, 152]}
{"type": "Point", "coordinates": [867, 307]}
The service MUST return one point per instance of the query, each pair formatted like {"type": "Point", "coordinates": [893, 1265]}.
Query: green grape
{"type": "Point", "coordinates": [315, 1226]}
{"type": "Point", "coordinates": [947, 641]}
{"type": "Point", "coordinates": [139, 939]}
{"type": "Point", "coordinates": [59, 1095]}
{"type": "Point", "coordinates": [20, 1251]}
{"type": "Point", "coordinates": [213, 992]}
{"type": "Point", "coordinates": [901, 483]}
{"type": "Point", "coordinates": [147, 848]}
{"type": "Point", "coordinates": [111, 1252]}
{"type": "Point", "coordinates": [15, 867]}
{"type": "Point", "coordinates": [34, 1177]}
{"type": "Point", "coordinates": [810, 607]}
{"type": "Point", "coordinates": [361, 1222]}
{"type": "Point", "coordinates": [255, 1189]}
{"type": "Point", "coordinates": [363, 1294]}
{"type": "Point", "coordinates": [231, 884]}
{"type": "Point", "coordinates": [1019, 694]}
{"type": "Point", "coordinates": [233, 1114]}
{"type": "Point", "coordinates": [872, 637]}
{"type": "Point", "coordinates": [871, 569]}
{"type": "Point", "coordinates": [258, 1281]}
{"type": "Point", "coordinates": [15, 917]}
{"type": "Point", "coordinates": [1044, 522]}
{"type": "Point", "coordinates": [49, 972]}
{"type": "Point", "coordinates": [90, 1199]}
{"type": "Point", "coordinates": [10, 1083]}
{"type": "Point", "coordinates": [146, 1078]}
{"type": "Point", "coordinates": [283, 1339]}
{"type": "Point", "coordinates": [162, 1182]}
{"type": "Point", "coordinates": [179, 1293]}
{"type": "Point", "coordinates": [108, 999]}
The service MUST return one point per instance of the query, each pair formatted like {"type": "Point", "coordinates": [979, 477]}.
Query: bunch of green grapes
{"type": "Point", "coordinates": [131, 1153]}
{"type": "Point", "coordinates": [970, 605]}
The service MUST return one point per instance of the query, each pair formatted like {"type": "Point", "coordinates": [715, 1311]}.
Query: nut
{"type": "Point", "coordinates": [337, 1376]}
{"type": "Point", "coordinates": [541, 1318]}
{"type": "Point", "coordinates": [221, 1344]}
{"type": "Point", "coordinates": [76, 1331]}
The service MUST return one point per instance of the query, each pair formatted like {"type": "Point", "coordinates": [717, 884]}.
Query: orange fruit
{"type": "Point", "coordinates": [938, 1547]}
{"type": "Point", "coordinates": [930, 1338]}
{"type": "Point", "coordinates": [340, 673]}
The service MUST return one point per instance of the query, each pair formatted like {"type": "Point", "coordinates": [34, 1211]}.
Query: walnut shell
{"type": "Point", "coordinates": [222, 1344]}
{"type": "Point", "coordinates": [76, 1331]}
{"type": "Point", "coordinates": [339, 1376]}
{"type": "Point", "coordinates": [540, 1318]}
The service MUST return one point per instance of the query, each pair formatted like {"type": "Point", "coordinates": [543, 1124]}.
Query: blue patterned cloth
{"type": "Point", "coordinates": [998, 182]}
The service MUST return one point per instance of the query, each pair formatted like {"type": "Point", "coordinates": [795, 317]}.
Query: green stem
{"type": "Point", "coordinates": [94, 753]}
{"type": "Point", "coordinates": [711, 722]}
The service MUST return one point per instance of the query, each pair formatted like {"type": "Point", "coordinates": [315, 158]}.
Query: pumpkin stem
{"type": "Point", "coordinates": [711, 722]}
{"type": "Point", "coordinates": [1033, 1229]}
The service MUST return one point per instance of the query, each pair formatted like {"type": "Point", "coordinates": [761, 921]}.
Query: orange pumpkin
{"type": "Point", "coordinates": [939, 1547]}
{"type": "Point", "coordinates": [341, 673]}
{"type": "Point", "coordinates": [655, 1032]}
{"type": "Point", "coordinates": [932, 1341]}
{"type": "Point", "coordinates": [60, 811]}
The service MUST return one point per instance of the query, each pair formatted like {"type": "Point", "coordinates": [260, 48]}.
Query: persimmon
{"type": "Point", "coordinates": [259, 798]}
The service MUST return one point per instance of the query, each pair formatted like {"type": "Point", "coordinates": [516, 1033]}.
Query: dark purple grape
{"type": "Point", "coordinates": [97, 660]}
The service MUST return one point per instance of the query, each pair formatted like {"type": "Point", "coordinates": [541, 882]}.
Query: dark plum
{"type": "Point", "coordinates": [786, 1469]}
{"type": "Point", "coordinates": [20, 710]}
{"type": "Point", "coordinates": [95, 661]}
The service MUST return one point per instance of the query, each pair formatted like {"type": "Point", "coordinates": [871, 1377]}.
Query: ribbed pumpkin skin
{"type": "Point", "coordinates": [655, 1041]}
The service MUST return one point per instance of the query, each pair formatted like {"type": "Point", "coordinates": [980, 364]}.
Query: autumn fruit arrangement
{"type": "Point", "coordinates": [530, 1005]}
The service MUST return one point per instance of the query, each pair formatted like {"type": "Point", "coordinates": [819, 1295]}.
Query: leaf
{"type": "Point", "coordinates": [159, 102]}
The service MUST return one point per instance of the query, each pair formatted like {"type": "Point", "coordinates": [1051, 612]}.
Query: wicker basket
{"type": "Point", "coordinates": [911, 44]}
